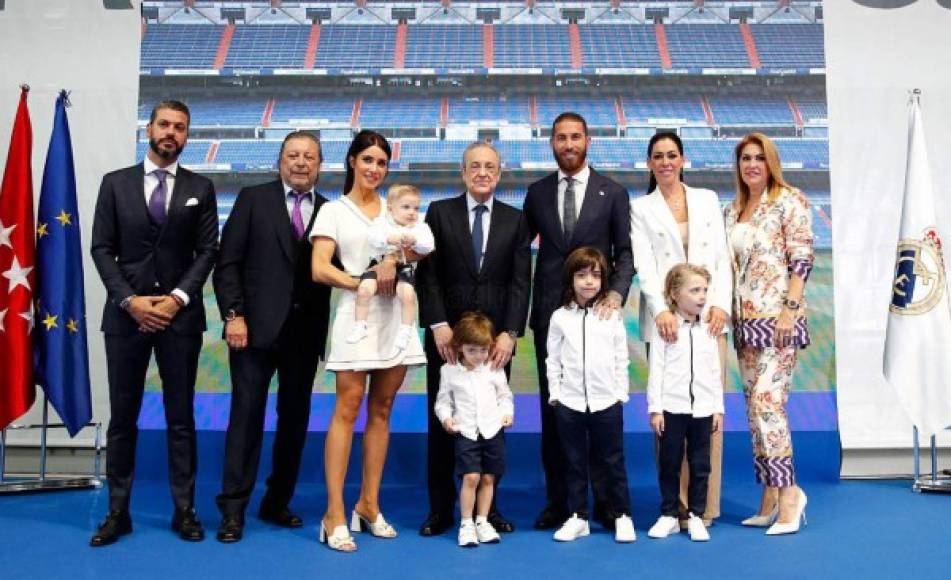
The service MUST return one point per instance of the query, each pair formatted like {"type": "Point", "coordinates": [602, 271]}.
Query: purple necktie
{"type": "Point", "coordinates": [297, 218]}
{"type": "Point", "coordinates": [157, 201]}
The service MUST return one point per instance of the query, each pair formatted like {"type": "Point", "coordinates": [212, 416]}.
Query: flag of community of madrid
{"type": "Point", "coordinates": [918, 338]}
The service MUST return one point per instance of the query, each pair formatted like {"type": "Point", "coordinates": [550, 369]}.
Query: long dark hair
{"type": "Point", "coordinates": [650, 151]}
{"type": "Point", "coordinates": [581, 258]}
{"type": "Point", "coordinates": [363, 141]}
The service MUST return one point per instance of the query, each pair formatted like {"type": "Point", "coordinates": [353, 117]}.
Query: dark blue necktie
{"type": "Point", "coordinates": [477, 234]}
{"type": "Point", "coordinates": [159, 194]}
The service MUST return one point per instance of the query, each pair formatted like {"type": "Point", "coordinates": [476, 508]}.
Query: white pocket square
{"type": "Point", "coordinates": [191, 201]}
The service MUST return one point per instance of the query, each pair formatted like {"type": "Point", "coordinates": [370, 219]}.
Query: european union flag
{"type": "Point", "coordinates": [61, 354]}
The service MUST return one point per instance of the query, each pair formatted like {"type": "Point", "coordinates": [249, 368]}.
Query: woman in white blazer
{"type": "Point", "coordinates": [671, 225]}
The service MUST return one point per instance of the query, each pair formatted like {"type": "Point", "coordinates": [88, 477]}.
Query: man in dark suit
{"type": "Point", "coordinates": [275, 320]}
{"type": "Point", "coordinates": [154, 242]}
{"type": "Point", "coordinates": [482, 262]}
{"type": "Point", "coordinates": [574, 207]}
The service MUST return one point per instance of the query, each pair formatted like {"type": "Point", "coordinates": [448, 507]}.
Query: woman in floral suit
{"type": "Point", "coordinates": [769, 230]}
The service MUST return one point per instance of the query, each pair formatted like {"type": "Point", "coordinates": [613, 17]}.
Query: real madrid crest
{"type": "Point", "coordinates": [919, 275]}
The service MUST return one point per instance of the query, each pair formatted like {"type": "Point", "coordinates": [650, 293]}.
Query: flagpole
{"type": "Point", "coordinates": [43, 430]}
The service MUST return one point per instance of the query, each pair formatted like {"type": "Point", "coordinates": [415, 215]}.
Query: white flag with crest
{"type": "Point", "coordinates": [918, 339]}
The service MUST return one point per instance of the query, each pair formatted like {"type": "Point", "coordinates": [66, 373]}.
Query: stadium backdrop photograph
{"type": "Point", "coordinates": [433, 83]}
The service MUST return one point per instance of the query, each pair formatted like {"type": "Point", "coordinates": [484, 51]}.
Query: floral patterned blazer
{"type": "Point", "coordinates": [778, 244]}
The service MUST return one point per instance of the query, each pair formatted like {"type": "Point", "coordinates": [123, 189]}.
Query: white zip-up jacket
{"type": "Point", "coordinates": [685, 375]}
{"type": "Point", "coordinates": [587, 360]}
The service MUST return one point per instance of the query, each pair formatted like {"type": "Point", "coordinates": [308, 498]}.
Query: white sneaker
{"type": "Point", "coordinates": [359, 331]}
{"type": "Point", "coordinates": [698, 532]}
{"type": "Point", "coordinates": [664, 526]}
{"type": "Point", "coordinates": [468, 537]}
{"type": "Point", "coordinates": [402, 336]}
{"type": "Point", "coordinates": [624, 530]}
{"type": "Point", "coordinates": [486, 533]}
{"type": "Point", "coordinates": [572, 529]}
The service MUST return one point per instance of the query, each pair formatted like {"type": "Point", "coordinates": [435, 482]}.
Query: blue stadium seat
{"type": "Point", "coordinates": [385, 112]}
{"type": "Point", "coordinates": [812, 108]}
{"type": "Point", "coordinates": [597, 111]}
{"type": "Point", "coordinates": [744, 110]}
{"type": "Point", "coordinates": [271, 46]}
{"type": "Point", "coordinates": [444, 46]}
{"type": "Point", "coordinates": [790, 45]}
{"type": "Point", "coordinates": [503, 108]}
{"type": "Point", "coordinates": [532, 46]}
{"type": "Point", "coordinates": [178, 46]}
{"type": "Point", "coordinates": [642, 108]}
{"type": "Point", "coordinates": [356, 46]}
{"type": "Point", "coordinates": [706, 46]}
{"type": "Point", "coordinates": [619, 46]}
{"type": "Point", "coordinates": [331, 109]}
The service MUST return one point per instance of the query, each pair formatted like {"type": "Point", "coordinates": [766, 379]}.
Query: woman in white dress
{"type": "Point", "coordinates": [340, 230]}
{"type": "Point", "coordinates": [671, 225]}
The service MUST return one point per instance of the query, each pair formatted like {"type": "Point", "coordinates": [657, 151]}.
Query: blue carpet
{"type": "Point", "coordinates": [857, 529]}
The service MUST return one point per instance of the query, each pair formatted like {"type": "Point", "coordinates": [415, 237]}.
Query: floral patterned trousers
{"type": "Point", "coordinates": [767, 380]}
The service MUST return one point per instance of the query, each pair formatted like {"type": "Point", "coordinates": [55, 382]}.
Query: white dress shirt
{"type": "Point", "coordinates": [685, 375]}
{"type": "Point", "coordinates": [475, 399]}
{"type": "Point", "coordinates": [581, 184]}
{"type": "Point", "coordinates": [151, 182]}
{"type": "Point", "coordinates": [587, 360]}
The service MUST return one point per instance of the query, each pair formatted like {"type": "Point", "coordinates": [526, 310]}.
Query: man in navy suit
{"type": "Point", "coordinates": [482, 262]}
{"type": "Point", "coordinates": [275, 321]}
{"type": "Point", "coordinates": [154, 242]}
{"type": "Point", "coordinates": [573, 207]}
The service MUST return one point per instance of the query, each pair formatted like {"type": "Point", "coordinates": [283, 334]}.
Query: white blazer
{"type": "Point", "coordinates": [657, 247]}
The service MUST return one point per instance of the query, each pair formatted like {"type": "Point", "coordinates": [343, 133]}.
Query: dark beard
{"type": "Point", "coordinates": [167, 155]}
{"type": "Point", "coordinates": [573, 169]}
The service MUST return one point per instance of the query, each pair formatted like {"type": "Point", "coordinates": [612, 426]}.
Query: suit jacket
{"type": "Point", "coordinates": [135, 256]}
{"type": "Point", "coordinates": [263, 273]}
{"type": "Point", "coordinates": [448, 284]}
{"type": "Point", "coordinates": [655, 239]}
{"type": "Point", "coordinates": [604, 223]}
{"type": "Point", "coordinates": [778, 244]}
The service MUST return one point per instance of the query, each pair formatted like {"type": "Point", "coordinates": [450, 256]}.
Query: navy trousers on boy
{"type": "Point", "coordinates": [694, 432]}
{"type": "Point", "coordinates": [602, 433]}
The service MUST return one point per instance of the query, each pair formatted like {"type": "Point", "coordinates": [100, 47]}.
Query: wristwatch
{"type": "Point", "coordinates": [126, 301]}
{"type": "Point", "coordinates": [513, 334]}
{"type": "Point", "coordinates": [231, 315]}
{"type": "Point", "coordinates": [791, 304]}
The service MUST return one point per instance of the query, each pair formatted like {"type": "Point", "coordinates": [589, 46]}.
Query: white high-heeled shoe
{"type": "Point", "coordinates": [340, 540]}
{"type": "Point", "coordinates": [762, 521]}
{"type": "Point", "coordinates": [792, 527]}
{"type": "Point", "coordinates": [379, 528]}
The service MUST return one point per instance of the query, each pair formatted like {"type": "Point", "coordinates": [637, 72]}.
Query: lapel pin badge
{"type": "Point", "coordinates": [600, 193]}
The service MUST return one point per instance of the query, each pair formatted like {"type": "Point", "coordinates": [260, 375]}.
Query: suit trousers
{"type": "Point", "coordinates": [296, 364]}
{"type": "Point", "coordinates": [585, 436]}
{"type": "Point", "coordinates": [127, 361]}
{"type": "Point", "coordinates": [682, 431]}
{"type": "Point", "coordinates": [440, 448]}
{"type": "Point", "coordinates": [553, 456]}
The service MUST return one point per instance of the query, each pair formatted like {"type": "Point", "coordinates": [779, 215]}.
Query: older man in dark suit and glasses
{"type": "Point", "coordinates": [482, 262]}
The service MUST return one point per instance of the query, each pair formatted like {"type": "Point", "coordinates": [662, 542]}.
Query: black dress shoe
{"type": "Point", "coordinates": [280, 516]}
{"type": "Point", "coordinates": [550, 518]}
{"type": "Point", "coordinates": [435, 524]}
{"type": "Point", "coordinates": [501, 524]}
{"type": "Point", "coordinates": [231, 529]}
{"type": "Point", "coordinates": [117, 523]}
{"type": "Point", "coordinates": [186, 523]}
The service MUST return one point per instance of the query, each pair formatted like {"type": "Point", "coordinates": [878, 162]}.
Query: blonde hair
{"type": "Point", "coordinates": [774, 185]}
{"type": "Point", "coordinates": [399, 190]}
{"type": "Point", "coordinates": [677, 278]}
{"type": "Point", "coordinates": [473, 328]}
